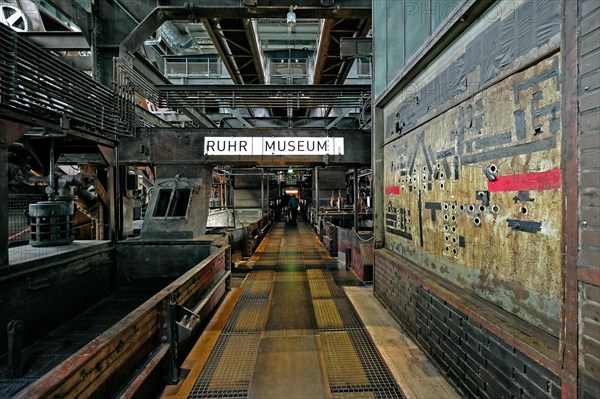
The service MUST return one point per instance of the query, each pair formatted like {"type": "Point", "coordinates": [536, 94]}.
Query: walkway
{"type": "Point", "coordinates": [289, 331]}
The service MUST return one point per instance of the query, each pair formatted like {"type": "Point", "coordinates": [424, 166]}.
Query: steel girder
{"type": "Point", "coordinates": [329, 67]}
{"type": "Point", "coordinates": [236, 41]}
{"type": "Point", "coordinates": [233, 9]}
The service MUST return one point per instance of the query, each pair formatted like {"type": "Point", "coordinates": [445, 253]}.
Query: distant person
{"type": "Point", "coordinates": [293, 204]}
{"type": "Point", "coordinates": [283, 205]}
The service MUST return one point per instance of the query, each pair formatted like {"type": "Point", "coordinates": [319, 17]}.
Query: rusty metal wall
{"type": "Point", "coordinates": [472, 161]}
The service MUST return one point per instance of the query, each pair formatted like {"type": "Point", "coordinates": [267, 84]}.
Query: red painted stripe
{"type": "Point", "coordinates": [527, 181]}
{"type": "Point", "coordinates": [392, 190]}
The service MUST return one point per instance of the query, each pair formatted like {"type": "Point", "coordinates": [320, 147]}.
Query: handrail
{"type": "Point", "coordinates": [37, 88]}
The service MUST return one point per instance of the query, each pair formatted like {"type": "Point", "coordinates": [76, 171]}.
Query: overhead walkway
{"type": "Point", "coordinates": [288, 330]}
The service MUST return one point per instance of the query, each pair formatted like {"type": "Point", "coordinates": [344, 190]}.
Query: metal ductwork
{"type": "Point", "coordinates": [173, 38]}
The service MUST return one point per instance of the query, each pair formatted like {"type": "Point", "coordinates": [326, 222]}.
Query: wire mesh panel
{"type": "Point", "coordinates": [229, 368]}
{"type": "Point", "coordinates": [19, 223]}
{"type": "Point", "coordinates": [354, 366]}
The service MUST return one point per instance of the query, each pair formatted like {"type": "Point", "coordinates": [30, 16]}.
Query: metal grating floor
{"type": "Point", "coordinates": [354, 368]}
{"type": "Point", "coordinates": [248, 318]}
{"type": "Point", "coordinates": [229, 368]}
{"type": "Point", "coordinates": [351, 348]}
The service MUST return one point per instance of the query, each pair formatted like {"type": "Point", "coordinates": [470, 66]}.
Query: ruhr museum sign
{"type": "Point", "coordinates": [273, 146]}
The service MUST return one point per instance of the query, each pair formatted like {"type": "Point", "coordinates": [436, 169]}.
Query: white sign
{"type": "Point", "coordinates": [273, 146]}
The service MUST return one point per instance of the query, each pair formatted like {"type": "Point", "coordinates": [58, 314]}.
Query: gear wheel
{"type": "Point", "coordinates": [14, 18]}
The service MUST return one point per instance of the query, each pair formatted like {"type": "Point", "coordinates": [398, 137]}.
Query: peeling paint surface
{"type": "Point", "coordinates": [474, 194]}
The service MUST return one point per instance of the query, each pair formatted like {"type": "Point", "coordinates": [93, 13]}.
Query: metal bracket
{"type": "Point", "coordinates": [187, 321]}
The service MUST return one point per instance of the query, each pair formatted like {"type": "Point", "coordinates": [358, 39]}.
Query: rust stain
{"type": "Point", "coordinates": [521, 293]}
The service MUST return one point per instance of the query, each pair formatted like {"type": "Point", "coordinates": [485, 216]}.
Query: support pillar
{"type": "Point", "coordinates": [3, 199]}
{"type": "Point", "coordinates": [317, 192]}
{"type": "Point", "coordinates": [355, 198]}
{"type": "Point", "coordinates": [377, 198]}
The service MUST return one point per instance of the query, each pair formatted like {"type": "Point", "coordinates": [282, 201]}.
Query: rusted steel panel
{"type": "Point", "coordinates": [362, 259]}
{"type": "Point", "coordinates": [475, 194]}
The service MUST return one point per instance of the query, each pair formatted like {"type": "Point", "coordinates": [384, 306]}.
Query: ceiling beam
{"type": "Point", "coordinates": [322, 50]}
{"type": "Point", "coordinates": [181, 10]}
{"type": "Point", "coordinates": [210, 24]}
{"type": "Point", "coordinates": [329, 67]}
{"type": "Point", "coordinates": [255, 48]}
{"type": "Point", "coordinates": [58, 41]}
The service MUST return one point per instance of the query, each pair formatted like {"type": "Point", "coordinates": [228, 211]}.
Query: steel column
{"type": "Point", "coordinates": [377, 196]}
{"type": "Point", "coordinates": [3, 198]}
{"type": "Point", "coordinates": [355, 198]}
{"type": "Point", "coordinates": [570, 166]}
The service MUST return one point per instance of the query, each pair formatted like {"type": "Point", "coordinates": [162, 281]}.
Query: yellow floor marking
{"type": "Point", "coordinates": [327, 314]}
{"type": "Point", "coordinates": [343, 365]}
{"type": "Point", "coordinates": [319, 289]}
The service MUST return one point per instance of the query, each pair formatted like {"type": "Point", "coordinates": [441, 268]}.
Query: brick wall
{"type": "Point", "coordinates": [589, 198]}
{"type": "Point", "coordinates": [478, 362]}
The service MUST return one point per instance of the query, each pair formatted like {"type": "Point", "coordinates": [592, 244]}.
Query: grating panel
{"type": "Point", "coordinates": [260, 275]}
{"type": "Point", "coordinates": [337, 292]}
{"type": "Point", "coordinates": [327, 315]}
{"type": "Point", "coordinates": [344, 369]}
{"type": "Point", "coordinates": [354, 395]}
{"type": "Point", "coordinates": [270, 254]}
{"type": "Point", "coordinates": [382, 382]}
{"type": "Point", "coordinates": [229, 368]}
{"type": "Point", "coordinates": [247, 317]}
{"type": "Point", "coordinates": [237, 281]}
{"type": "Point", "coordinates": [319, 289]}
{"type": "Point", "coordinates": [348, 314]}
{"type": "Point", "coordinates": [256, 290]}
{"type": "Point", "coordinates": [316, 274]}
{"type": "Point", "coordinates": [354, 366]}
{"type": "Point", "coordinates": [318, 266]}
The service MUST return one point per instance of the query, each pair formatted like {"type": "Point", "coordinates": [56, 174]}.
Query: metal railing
{"type": "Point", "coordinates": [38, 88]}
{"type": "Point", "coordinates": [182, 67]}
{"type": "Point", "coordinates": [19, 224]}
{"type": "Point", "coordinates": [239, 96]}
